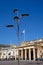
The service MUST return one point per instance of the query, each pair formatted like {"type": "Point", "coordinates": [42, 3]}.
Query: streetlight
{"type": "Point", "coordinates": [18, 29]}
{"type": "Point", "coordinates": [18, 26]}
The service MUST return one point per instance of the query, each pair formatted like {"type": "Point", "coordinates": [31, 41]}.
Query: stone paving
{"type": "Point", "coordinates": [13, 62]}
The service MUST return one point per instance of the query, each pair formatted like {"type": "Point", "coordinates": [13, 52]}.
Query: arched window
{"type": "Point", "coordinates": [9, 53]}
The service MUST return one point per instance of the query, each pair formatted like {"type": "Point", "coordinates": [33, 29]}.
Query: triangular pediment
{"type": "Point", "coordinates": [24, 43]}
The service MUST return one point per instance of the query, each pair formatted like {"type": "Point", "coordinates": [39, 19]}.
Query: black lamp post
{"type": "Point", "coordinates": [18, 29]}
{"type": "Point", "coordinates": [18, 26]}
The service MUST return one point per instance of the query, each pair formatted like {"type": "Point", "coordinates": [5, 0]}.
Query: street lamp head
{"type": "Point", "coordinates": [15, 10]}
{"type": "Point", "coordinates": [25, 15]}
{"type": "Point", "coordinates": [16, 18]}
{"type": "Point", "coordinates": [10, 26]}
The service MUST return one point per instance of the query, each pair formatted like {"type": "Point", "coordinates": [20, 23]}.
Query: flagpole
{"type": "Point", "coordinates": [24, 34]}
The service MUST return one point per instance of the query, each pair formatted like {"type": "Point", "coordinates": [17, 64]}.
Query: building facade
{"type": "Point", "coordinates": [26, 51]}
{"type": "Point", "coordinates": [31, 50]}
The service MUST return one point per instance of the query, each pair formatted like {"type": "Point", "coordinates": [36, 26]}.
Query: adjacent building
{"type": "Point", "coordinates": [8, 52]}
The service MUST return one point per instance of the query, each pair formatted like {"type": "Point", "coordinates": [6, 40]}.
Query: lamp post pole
{"type": "Point", "coordinates": [18, 30]}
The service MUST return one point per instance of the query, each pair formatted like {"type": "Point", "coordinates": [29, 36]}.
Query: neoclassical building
{"type": "Point", "coordinates": [26, 51]}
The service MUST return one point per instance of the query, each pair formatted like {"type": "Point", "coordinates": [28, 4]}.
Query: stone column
{"type": "Point", "coordinates": [15, 57]}
{"type": "Point", "coordinates": [34, 54]}
{"type": "Point", "coordinates": [25, 54]}
{"type": "Point", "coordinates": [29, 54]}
{"type": "Point", "coordinates": [15, 54]}
{"type": "Point", "coordinates": [38, 53]}
{"type": "Point", "coordinates": [22, 54]}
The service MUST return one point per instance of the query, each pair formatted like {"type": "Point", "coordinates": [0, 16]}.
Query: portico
{"type": "Point", "coordinates": [28, 54]}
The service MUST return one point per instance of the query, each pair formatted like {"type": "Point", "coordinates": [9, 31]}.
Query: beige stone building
{"type": "Point", "coordinates": [28, 50]}
{"type": "Point", "coordinates": [31, 50]}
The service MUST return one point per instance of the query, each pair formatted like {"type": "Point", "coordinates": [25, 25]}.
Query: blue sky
{"type": "Point", "coordinates": [32, 24]}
